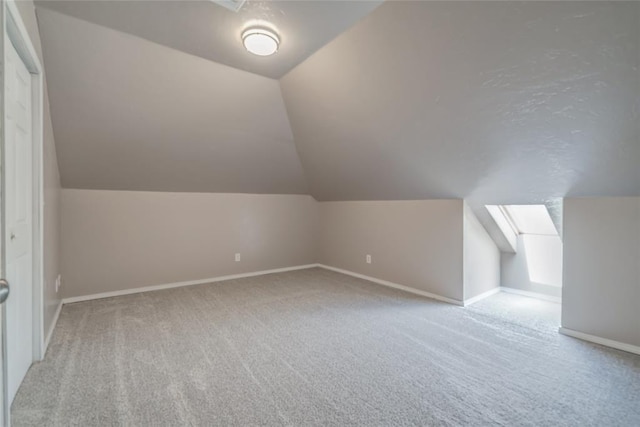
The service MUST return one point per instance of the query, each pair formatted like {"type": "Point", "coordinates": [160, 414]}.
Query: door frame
{"type": "Point", "coordinates": [14, 31]}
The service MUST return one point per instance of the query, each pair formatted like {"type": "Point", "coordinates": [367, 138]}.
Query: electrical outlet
{"type": "Point", "coordinates": [58, 282]}
{"type": "Point", "coordinates": [368, 259]}
{"type": "Point", "coordinates": [237, 257]}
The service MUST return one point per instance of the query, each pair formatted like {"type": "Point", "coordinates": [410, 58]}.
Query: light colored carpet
{"type": "Point", "coordinates": [314, 347]}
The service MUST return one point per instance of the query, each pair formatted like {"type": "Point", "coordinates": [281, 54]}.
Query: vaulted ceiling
{"type": "Point", "coordinates": [205, 29]}
{"type": "Point", "coordinates": [505, 102]}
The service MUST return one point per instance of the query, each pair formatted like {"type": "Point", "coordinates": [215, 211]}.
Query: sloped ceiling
{"type": "Point", "coordinates": [129, 114]}
{"type": "Point", "coordinates": [210, 31]}
{"type": "Point", "coordinates": [496, 102]}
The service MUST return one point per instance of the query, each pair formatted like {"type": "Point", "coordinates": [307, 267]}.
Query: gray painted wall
{"type": "Point", "coordinates": [51, 299]}
{"type": "Point", "coordinates": [412, 243]}
{"type": "Point", "coordinates": [481, 258]}
{"type": "Point", "coordinates": [547, 253]}
{"type": "Point", "coordinates": [115, 240]}
{"type": "Point", "coordinates": [601, 289]}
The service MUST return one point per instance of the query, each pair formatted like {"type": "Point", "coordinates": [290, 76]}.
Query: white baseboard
{"type": "Point", "coordinates": [51, 328]}
{"type": "Point", "coordinates": [482, 296]}
{"type": "Point", "coordinates": [602, 341]}
{"type": "Point", "coordinates": [529, 294]}
{"type": "Point", "coordinates": [393, 285]}
{"type": "Point", "coordinates": [181, 284]}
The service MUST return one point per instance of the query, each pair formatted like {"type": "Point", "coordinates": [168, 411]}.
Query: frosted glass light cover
{"type": "Point", "coordinates": [260, 42]}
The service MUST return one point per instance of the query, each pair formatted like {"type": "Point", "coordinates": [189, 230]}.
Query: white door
{"type": "Point", "coordinates": [18, 218]}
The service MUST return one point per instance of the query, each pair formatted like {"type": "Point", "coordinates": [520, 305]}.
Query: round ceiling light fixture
{"type": "Point", "coordinates": [260, 41]}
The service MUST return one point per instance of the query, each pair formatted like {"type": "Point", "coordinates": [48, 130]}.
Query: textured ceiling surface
{"type": "Point", "coordinates": [210, 31]}
{"type": "Point", "coordinates": [129, 114]}
{"type": "Point", "coordinates": [496, 102]}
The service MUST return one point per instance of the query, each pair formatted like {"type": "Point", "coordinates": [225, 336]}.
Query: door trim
{"type": "Point", "coordinates": [15, 31]}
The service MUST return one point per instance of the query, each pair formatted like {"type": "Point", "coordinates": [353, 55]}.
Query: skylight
{"type": "Point", "coordinates": [530, 231]}
{"type": "Point", "coordinates": [530, 219]}
{"type": "Point", "coordinates": [232, 5]}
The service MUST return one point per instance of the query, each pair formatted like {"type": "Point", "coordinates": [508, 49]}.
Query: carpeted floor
{"type": "Point", "coordinates": [313, 347]}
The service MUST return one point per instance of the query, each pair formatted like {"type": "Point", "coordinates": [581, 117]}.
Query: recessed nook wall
{"type": "Point", "coordinates": [481, 258]}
